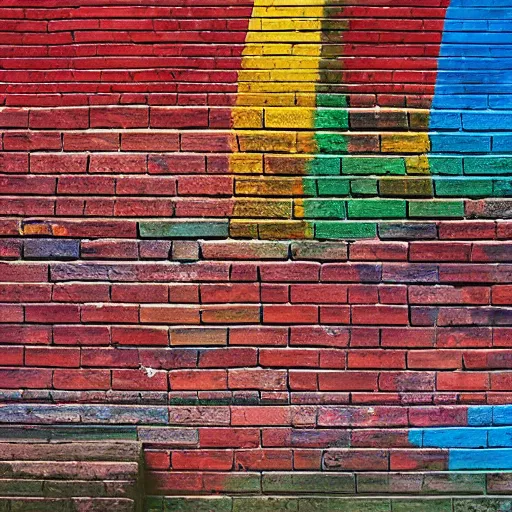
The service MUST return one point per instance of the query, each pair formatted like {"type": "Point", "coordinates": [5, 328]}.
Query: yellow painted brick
{"type": "Point", "coordinates": [263, 208]}
{"type": "Point", "coordinates": [263, 141]}
{"type": "Point", "coordinates": [283, 37]}
{"type": "Point", "coordinates": [313, 50]}
{"type": "Point", "coordinates": [283, 11]}
{"type": "Point", "coordinates": [273, 87]}
{"type": "Point", "coordinates": [286, 75]}
{"type": "Point", "coordinates": [417, 164]}
{"type": "Point", "coordinates": [273, 100]}
{"type": "Point", "coordinates": [244, 117]}
{"type": "Point", "coordinates": [269, 186]}
{"type": "Point", "coordinates": [290, 118]}
{"type": "Point", "coordinates": [243, 229]}
{"type": "Point", "coordinates": [286, 230]}
{"type": "Point", "coordinates": [244, 163]}
{"type": "Point", "coordinates": [281, 62]}
{"type": "Point", "coordinates": [253, 76]}
{"type": "Point", "coordinates": [405, 143]}
{"type": "Point", "coordinates": [291, 24]}
{"type": "Point", "coordinates": [306, 143]}
{"type": "Point", "coordinates": [305, 100]}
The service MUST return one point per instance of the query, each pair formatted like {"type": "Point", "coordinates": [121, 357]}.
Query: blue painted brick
{"type": "Point", "coordinates": [455, 438]}
{"type": "Point", "coordinates": [502, 415]}
{"type": "Point", "coordinates": [490, 459]}
{"type": "Point", "coordinates": [500, 437]}
{"type": "Point", "coordinates": [51, 248]}
{"type": "Point", "coordinates": [480, 416]}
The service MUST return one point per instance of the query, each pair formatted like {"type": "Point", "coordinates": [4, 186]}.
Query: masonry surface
{"type": "Point", "coordinates": [255, 255]}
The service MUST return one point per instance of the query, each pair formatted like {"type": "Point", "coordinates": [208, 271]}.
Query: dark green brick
{"type": "Point", "coordinates": [331, 100]}
{"type": "Point", "coordinates": [502, 187]}
{"type": "Point", "coordinates": [197, 504]}
{"type": "Point", "coordinates": [184, 229]}
{"type": "Point", "coordinates": [373, 165]}
{"type": "Point", "coordinates": [406, 187]}
{"type": "Point", "coordinates": [322, 209]}
{"type": "Point", "coordinates": [463, 187]}
{"type": "Point", "coordinates": [364, 187]}
{"type": "Point", "coordinates": [153, 504]}
{"type": "Point", "coordinates": [436, 209]}
{"type": "Point", "coordinates": [264, 504]}
{"type": "Point", "coordinates": [344, 505]}
{"type": "Point", "coordinates": [342, 230]}
{"type": "Point", "coordinates": [423, 505]}
{"type": "Point", "coordinates": [333, 187]}
{"type": "Point", "coordinates": [334, 118]}
{"type": "Point", "coordinates": [288, 483]}
{"type": "Point", "coordinates": [240, 483]}
{"type": "Point", "coordinates": [482, 505]}
{"type": "Point", "coordinates": [376, 209]}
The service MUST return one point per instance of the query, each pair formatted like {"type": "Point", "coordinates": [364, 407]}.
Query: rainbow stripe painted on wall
{"type": "Point", "coordinates": [337, 164]}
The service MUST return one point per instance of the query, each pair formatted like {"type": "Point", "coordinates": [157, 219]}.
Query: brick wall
{"type": "Point", "coordinates": [270, 239]}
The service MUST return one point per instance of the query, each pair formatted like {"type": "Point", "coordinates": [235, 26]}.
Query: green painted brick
{"type": "Point", "coordinates": [331, 118]}
{"type": "Point", "coordinates": [436, 209]}
{"type": "Point", "coordinates": [184, 229]}
{"type": "Point", "coordinates": [206, 504]}
{"type": "Point", "coordinates": [331, 100]}
{"type": "Point", "coordinates": [488, 165]}
{"type": "Point", "coordinates": [464, 187]}
{"type": "Point", "coordinates": [241, 482]}
{"type": "Point", "coordinates": [373, 165]}
{"type": "Point", "coordinates": [341, 230]}
{"type": "Point", "coordinates": [423, 505]}
{"type": "Point", "coordinates": [324, 165]}
{"type": "Point", "coordinates": [310, 186]}
{"type": "Point", "coordinates": [482, 505]}
{"type": "Point", "coordinates": [344, 505]}
{"type": "Point", "coordinates": [265, 504]}
{"type": "Point", "coordinates": [323, 209]}
{"type": "Point", "coordinates": [153, 504]}
{"type": "Point", "coordinates": [289, 483]}
{"type": "Point", "coordinates": [333, 187]}
{"type": "Point", "coordinates": [376, 209]}
{"type": "Point", "coordinates": [445, 165]}
{"type": "Point", "coordinates": [364, 187]}
{"type": "Point", "coordinates": [331, 143]}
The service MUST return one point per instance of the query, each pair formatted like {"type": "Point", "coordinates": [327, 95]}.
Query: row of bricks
{"type": "Point", "coordinates": [191, 205]}
{"type": "Point", "coordinates": [253, 379]}
{"type": "Point", "coordinates": [274, 314]}
{"type": "Point", "coordinates": [296, 336]}
{"type": "Point", "coordinates": [225, 99]}
{"type": "Point", "coordinates": [159, 86]}
{"type": "Point", "coordinates": [326, 212]}
{"type": "Point", "coordinates": [361, 359]}
{"type": "Point", "coordinates": [191, 250]}
{"type": "Point", "coordinates": [254, 293]}
{"type": "Point", "coordinates": [310, 416]}
{"type": "Point", "coordinates": [254, 397]}
{"type": "Point", "coordinates": [387, 231]}
{"type": "Point", "coordinates": [244, 117]}
{"type": "Point", "coordinates": [321, 482]}
{"type": "Point", "coordinates": [261, 141]}
{"type": "Point", "coordinates": [272, 165]}
{"type": "Point", "coordinates": [275, 272]}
